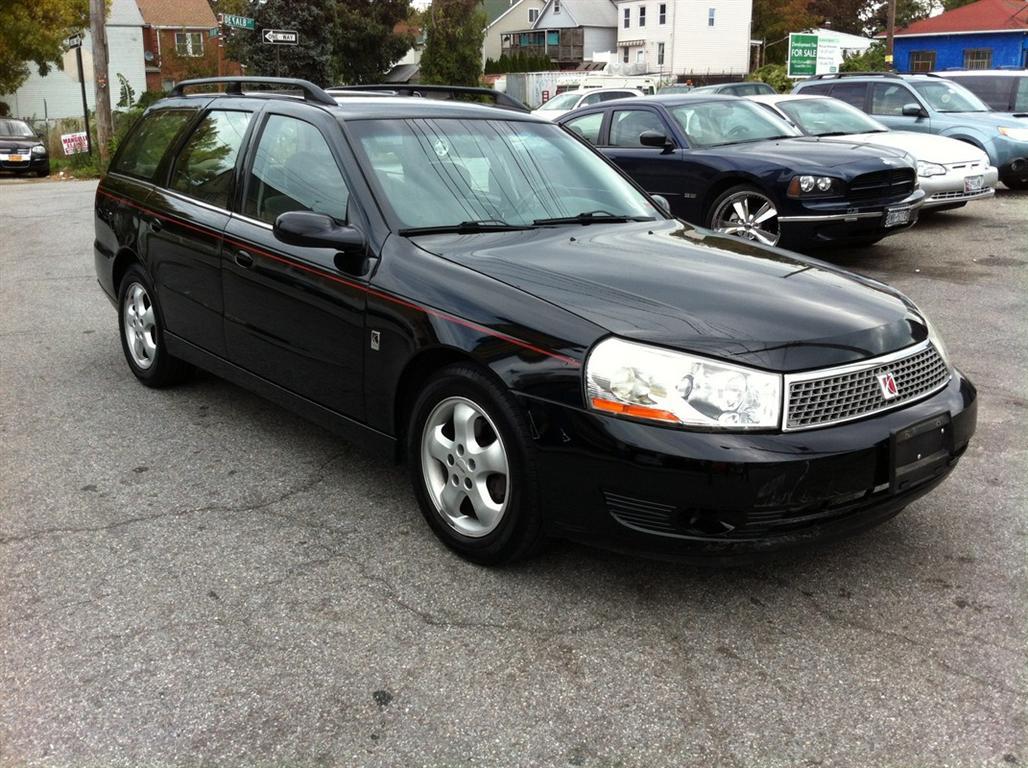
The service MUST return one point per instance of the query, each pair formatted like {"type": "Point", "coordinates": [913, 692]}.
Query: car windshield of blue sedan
{"type": "Point", "coordinates": [828, 117]}
{"type": "Point", "coordinates": [949, 97]}
{"type": "Point", "coordinates": [719, 123]}
{"type": "Point", "coordinates": [491, 173]}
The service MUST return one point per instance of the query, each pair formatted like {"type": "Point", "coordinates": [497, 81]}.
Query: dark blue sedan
{"type": "Point", "coordinates": [728, 164]}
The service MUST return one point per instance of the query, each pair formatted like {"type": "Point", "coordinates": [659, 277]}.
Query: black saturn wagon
{"type": "Point", "coordinates": [480, 292]}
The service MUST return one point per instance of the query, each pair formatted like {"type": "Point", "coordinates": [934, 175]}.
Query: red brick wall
{"type": "Point", "coordinates": [166, 64]}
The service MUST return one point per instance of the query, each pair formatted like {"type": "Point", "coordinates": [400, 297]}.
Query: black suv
{"type": "Point", "coordinates": [483, 294]}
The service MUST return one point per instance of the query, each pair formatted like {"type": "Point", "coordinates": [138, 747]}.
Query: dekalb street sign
{"type": "Point", "coordinates": [280, 36]}
{"type": "Point", "coordinates": [239, 22]}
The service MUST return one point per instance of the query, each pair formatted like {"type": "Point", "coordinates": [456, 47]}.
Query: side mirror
{"type": "Point", "coordinates": [655, 139]}
{"type": "Point", "coordinates": [913, 110]}
{"type": "Point", "coordinates": [316, 230]}
{"type": "Point", "coordinates": [662, 203]}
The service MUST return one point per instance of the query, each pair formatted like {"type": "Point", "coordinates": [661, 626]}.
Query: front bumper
{"type": "Point", "coordinates": [824, 223]}
{"type": "Point", "coordinates": [34, 163]}
{"type": "Point", "coordinates": [949, 188]}
{"type": "Point", "coordinates": [720, 497]}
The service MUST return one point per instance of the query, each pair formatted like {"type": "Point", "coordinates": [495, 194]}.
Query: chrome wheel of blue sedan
{"type": "Point", "coordinates": [747, 213]}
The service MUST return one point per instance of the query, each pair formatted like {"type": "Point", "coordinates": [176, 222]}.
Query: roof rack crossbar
{"type": "Point", "coordinates": [839, 75]}
{"type": "Point", "coordinates": [417, 89]}
{"type": "Point", "coordinates": [234, 86]}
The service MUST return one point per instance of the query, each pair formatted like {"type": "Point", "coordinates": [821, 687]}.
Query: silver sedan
{"type": "Point", "coordinates": [951, 172]}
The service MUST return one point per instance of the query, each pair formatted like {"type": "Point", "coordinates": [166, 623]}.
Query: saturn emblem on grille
{"type": "Point", "coordinates": [888, 385]}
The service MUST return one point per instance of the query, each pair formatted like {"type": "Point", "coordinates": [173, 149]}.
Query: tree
{"type": "Point", "coordinates": [311, 59]}
{"type": "Point", "coordinates": [951, 5]}
{"type": "Point", "coordinates": [369, 35]}
{"type": "Point", "coordinates": [907, 12]}
{"type": "Point", "coordinates": [453, 47]}
{"type": "Point", "coordinates": [775, 19]}
{"type": "Point", "coordinates": [871, 60]}
{"type": "Point", "coordinates": [32, 32]}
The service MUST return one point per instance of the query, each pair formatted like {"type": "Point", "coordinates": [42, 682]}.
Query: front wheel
{"type": "Point", "coordinates": [473, 468]}
{"type": "Point", "coordinates": [746, 212]}
{"type": "Point", "coordinates": [1016, 182]}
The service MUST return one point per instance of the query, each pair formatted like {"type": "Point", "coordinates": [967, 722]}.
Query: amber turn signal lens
{"type": "Point", "coordinates": [636, 411]}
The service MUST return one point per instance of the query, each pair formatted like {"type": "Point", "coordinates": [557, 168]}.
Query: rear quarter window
{"type": "Point", "coordinates": [994, 91]}
{"type": "Point", "coordinates": [146, 145]}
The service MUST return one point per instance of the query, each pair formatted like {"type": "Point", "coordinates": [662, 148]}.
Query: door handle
{"type": "Point", "coordinates": [244, 259]}
{"type": "Point", "coordinates": [156, 225]}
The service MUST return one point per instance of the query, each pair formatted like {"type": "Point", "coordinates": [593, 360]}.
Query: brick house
{"type": "Point", "coordinates": [177, 42]}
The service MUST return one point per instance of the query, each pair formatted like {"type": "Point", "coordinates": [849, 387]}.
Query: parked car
{"type": "Point", "coordinates": [565, 102]}
{"type": "Point", "coordinates": [737, 89]}
{"type": "Point", "coordinates": [676, 88]}
{"type": "Point", "coordinates": [729, 164]}
{"type": "Point", "coordinates": [1004, 90]}
{"type": "Point", "coordinates": [479, 292]}
{"type": "Point", "coordinates": [21, 150]}
{"type": "Point", "coordinates": [951, 172]}
{"type": "Point", "coordinates": [930, 104]}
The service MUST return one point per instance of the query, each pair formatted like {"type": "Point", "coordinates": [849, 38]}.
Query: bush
{"type": "Point", "coordinates": [871, 60]}
{"type": "Point", "coordinates": [775, 76]}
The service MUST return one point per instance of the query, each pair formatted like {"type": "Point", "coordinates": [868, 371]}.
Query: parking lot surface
{"type": "Point", "coordinates": [195, 576]}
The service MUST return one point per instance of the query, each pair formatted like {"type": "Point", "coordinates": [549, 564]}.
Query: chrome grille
{"type": "Point", "coordinates": [825, 397]}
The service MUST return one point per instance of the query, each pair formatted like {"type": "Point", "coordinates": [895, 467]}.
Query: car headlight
{"type": "Point", "coordinates": [803, 186]}
{"type": "Point", "coordinates": [39, 149]}
{"type": "Point", "coordinates": [930, 169]}
{"type": "Point", "coordinates": [936, 339]}
{"type": "Point", "coordinates": [639, 381]}
{"type": "Point", "coordinates": [1017, 134]}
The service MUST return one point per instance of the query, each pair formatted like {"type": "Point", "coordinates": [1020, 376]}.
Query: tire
{"type": "Point", "coordinates": [43, 174]}
{"type": "Point", "coordinates": [142, 339]}
{"type": "Point", "coordinates": [473, 467]}
{"type": "Point", "coordinates": [1016, 182]}
{"type": "Point", "coordinates": [735, 211]}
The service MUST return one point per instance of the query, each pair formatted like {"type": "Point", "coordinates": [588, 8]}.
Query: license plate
{"type": "Point", "coordinates": [895, 218]}
{"type": "Point", "coordinates": [920, 451]}
{"type": "Point", "coordinates": [18, 158]}
{"type": "Point", "coordinates": [972, 183]}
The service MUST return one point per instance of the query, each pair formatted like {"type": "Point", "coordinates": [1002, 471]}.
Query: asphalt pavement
{"type": "Point", "coordinates": [197, 577]}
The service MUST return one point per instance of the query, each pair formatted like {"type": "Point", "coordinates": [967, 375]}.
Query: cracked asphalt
{"type": "Point", "coordinates": [197, 577]}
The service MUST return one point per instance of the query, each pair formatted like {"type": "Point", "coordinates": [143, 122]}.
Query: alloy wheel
{"type": "Point", "coordinates": [750, 215]}
{"type": "Point", "coordinates": [140, 326]}
{"type": "Point", "coordinates": [465, 466]}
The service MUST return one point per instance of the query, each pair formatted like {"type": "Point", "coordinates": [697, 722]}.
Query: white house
{"type": "Point", "coordinates": [59, 95]}
{"type": "Point", "coordinates": [569, 32]}
{"type": "Point", "coordinates": [701, 38]}
{"type": "Point", "coordinates": [521, 14]}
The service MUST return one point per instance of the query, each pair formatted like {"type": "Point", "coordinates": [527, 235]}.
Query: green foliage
{"type": "Point", "coordinates": [871, 60]}
{"type": "Point", "coordinates": [126, 94]}
{"type": "Point", "coordinates": [369, 36]}
{"type": "Point", "coordinates": [31, 31]}
{"type": "Point", "coordinates": [950, 5]}
{"type": "Point", "coordinates": [453, 48]}
{"type": "Point", "coordinates": [775, 76]}
{"type": "Point", "coordinates": [311, 59]}
{"type": "Point", "coordinates": [518, 63]}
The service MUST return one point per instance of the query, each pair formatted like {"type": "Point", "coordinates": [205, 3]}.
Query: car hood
{"type": "Point", "coordinates": [812, 152]}
{"type": "Point", "coordinates": [1008, 119]}
{"type": "Point", "coordinates": [923, 146]}
{"type": "Point", "coordinates": [672, 284]}
{"type": "Point", "coordinates": [18, 142]}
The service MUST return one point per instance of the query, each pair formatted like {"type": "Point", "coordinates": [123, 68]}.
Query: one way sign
{"type": "Point", "coordinates": [280, 36]}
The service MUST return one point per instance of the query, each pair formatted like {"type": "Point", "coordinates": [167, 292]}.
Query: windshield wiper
{"type": "Point", "coordinates": [833, 133]}
{"type": "Point", "coordinates": [592, 217]}
{"type": "Point", "coordinates": [464, 228]}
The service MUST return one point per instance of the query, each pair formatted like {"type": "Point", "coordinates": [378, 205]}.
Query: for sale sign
{"type": "Point", "coordinates": [74, 143]}
{"type": "Point", "coordinates": [802, 55]}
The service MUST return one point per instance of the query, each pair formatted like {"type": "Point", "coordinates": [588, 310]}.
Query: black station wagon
{"type": "Point", "coordinates": [479, 292]}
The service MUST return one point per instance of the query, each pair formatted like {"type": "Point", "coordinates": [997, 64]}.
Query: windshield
{"type": "Point", "coordinates": [717, 123]}
{"type": "Point", "coordinates": [820, 117]}
{"type": "Point", "coordinates": [15, 128]}
{"type": "Point", "coordinates": [561, 101]}
{"type": "Point", "coordinates": [949, 97]}
{"type": "Point", "coordinates": [438, 173]}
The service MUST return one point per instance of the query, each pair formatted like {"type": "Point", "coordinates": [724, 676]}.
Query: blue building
{"type": "Point", "coordinates": [988, 34]}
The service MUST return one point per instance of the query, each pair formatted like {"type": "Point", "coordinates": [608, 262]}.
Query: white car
{"type": "Point", "coordinates": [951, 172]}
{"type": "Point", "coordinates": [569, 100]}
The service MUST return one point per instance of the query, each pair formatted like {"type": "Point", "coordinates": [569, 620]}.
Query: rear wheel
{"type": "Point", "coordinates": [745, 211]}
{"type": "Point", "coordinates": [473, 469]}
{"type": "Point", "coordinates": [1016, 182]}
{"type": "Point", "coordinates": [142, 332]}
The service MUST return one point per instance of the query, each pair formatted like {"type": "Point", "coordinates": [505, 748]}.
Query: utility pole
{"type": "Point", "coordinates": [889, 32]}
{"type": "Point", "coordinates": [98, 31]}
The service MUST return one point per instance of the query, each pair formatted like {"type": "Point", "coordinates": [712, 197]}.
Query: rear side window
{"type": "Point", "coordinates": [851, 93]}
{"type": "Point", "coordinates": [143, 149]}
{"type": "Point", "coordinates": [294, 170]}
{"type": "Point", "coordinates": [821, 89]}
{"type": "Point", "coordinates": [587, 127]}
{"type": "Point", "coordinates": [627, 125]}
{"type": "Point", "coordinates": [994, 91]}
{"type": "Point", "coordinates": [205, 166]}
{"type": "Point", "coordinates": [1021, 97]}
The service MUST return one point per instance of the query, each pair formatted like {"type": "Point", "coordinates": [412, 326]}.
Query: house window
{"type": "Point", "coordinates": [628, 17]}
{"type": "Point", "coordinates": [624, 56]}
{"type": "Point", "coordinates": [662, 13]}
{"type": "Point", "coordinates": [642, 15]}
{"type": "Point", "coordinates": [189, 43]}
{"type": "Point", "coordinates": [710, 16]}
{"type": "Point", "coordinates": [660, 54]}
{"type": "Point", "coordinates": [533, 14]}
{"type": "Point", "coordinates": [922, 61]}
{"type": "Point", "coordinates": [556, 6]}
{"type": "Point", "coordinates": [977, 58]}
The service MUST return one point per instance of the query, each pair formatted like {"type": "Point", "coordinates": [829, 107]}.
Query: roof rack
{"type": "Point", "coordinates": [501, 100]}
{"type": "Point", "coordinates": [234, 87]}
{"type": "Point", "coordinates": [839, 75]}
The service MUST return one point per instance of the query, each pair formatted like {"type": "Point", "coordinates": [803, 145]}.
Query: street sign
{"type": "Point", "coordinates": [280, 36]}
{"type": "Point", "coordinates": [239, 22]}
{"type": "Point", "coordinates": [73, 41]}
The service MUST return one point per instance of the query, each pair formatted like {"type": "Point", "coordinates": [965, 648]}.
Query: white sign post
{"type": "Point", "coordinates": [280, 36]}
